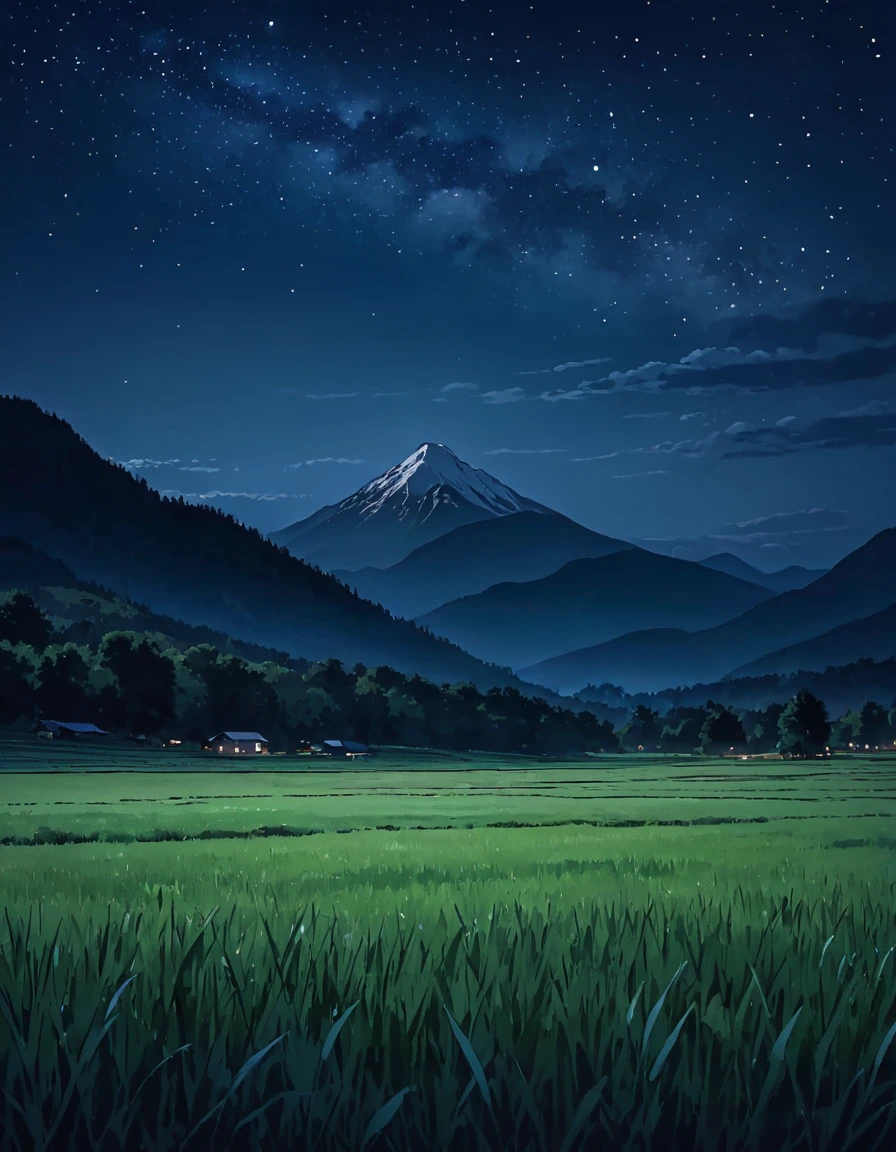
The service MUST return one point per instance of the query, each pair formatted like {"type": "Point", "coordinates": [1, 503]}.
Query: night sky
{"type": "Point", "coordinates": [638, 260]}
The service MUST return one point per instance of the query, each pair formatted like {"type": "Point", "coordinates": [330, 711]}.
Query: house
{"type": "Point", "coordinates": [70, 730]}
{"type": "Point", "coordinates": [347, 748]}
{"type": "Point", "coordinates": [229, 743]}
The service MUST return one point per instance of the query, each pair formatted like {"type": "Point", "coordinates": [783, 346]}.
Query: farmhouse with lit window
{"type": "Point", "coordinates": [230, 743]}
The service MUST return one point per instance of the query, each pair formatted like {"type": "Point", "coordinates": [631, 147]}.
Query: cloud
{"type": "Point", "coordinates": [775, 529]}
{"type": "Point", "coordinates": [861, 319]}
{"type": "Point", "coordinates": [330, 395]}
{"type": "Point", "coordinates": [651, 415]}
{"type": "Point", "coordinates": [197, 468]}
{"type": "Point", "coordinates": [175, 493]}
{"type": "Point", "coordinates": [460, 386]}
{"type": "Point", "coordinates": [691, 415]}
{"type": "Point", "coordinates": [523, 451]}
{"type": "Point", "coordinates": [872, 425]}
{"type": "Point", "coordinates": [140, 463]}
{"type": "Point", "coordinates": [635, 475]}
{"type": "Point", "coordinates": [836, 359]}
{"type": "Point", "coordinates": [571, 394]}
{"type": "Point", "coordinates": [567, 366]}
{"type": "Point", "coordinates": [322, 460]}
{"type": "Point", "coordinates": [380, 394]}
{"type": "Point", "coordinates": [503, 396]}
{"type": "Point", "coordinates": [803, 520]}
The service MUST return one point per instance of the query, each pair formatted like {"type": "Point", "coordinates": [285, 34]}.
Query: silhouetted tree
{"type": "Point", "coordinates": [804, 728]}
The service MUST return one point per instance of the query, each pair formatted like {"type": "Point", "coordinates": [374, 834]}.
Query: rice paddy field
{"type": "Point", "coordinates": [446, 953]}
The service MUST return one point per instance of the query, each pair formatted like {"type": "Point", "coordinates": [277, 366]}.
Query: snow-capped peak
{"type": "Point", "coordinates": [435, 467]}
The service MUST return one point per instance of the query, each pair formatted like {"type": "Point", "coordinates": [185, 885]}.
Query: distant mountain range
{"type": "Point", "coordinates": [418, 500]}
{"type": "Point", "coordinates": [591, 600]}
{"type": "Point", "coordinates": [784, 580]}
{"type": "Point", "coordinates": [469, 559]}
{"type": "Point", "coordinates": [194, 563]}
{"type": "Point", "coordinates": [863, 583]}
{"type": "Point", "coordinates": [475, 564]}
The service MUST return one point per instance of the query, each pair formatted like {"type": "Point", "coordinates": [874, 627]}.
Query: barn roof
{"type": "Point", "coordinates": [74, 726]}
{"type": "Point", "coordinates": [237, 736]}
{"type": "Point", "coordinates": [348, 745]}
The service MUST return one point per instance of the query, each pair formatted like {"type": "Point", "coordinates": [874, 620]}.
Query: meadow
{"type": "Point", "coordinates": [465, 954]}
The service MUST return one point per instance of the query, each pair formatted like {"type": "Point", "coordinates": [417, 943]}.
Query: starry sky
{"type": "Point", "coordinates": [637, 259]}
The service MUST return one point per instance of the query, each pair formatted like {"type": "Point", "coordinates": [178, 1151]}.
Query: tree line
{"type": "Point", "coordinates": [134, 683]}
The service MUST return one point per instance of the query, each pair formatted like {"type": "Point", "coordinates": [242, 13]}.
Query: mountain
{"type": "Point", "coordinates": [862, 583]}
{"type": "Point", "coordinates": [423, 497]}
{"type": "Point", "coordinates": [872, 637]}
{"type": "Point", "coordinates": [194, 563]}
{"type": "Point", "coordinates": [590, 601]}
{"type": "Point", "coordinates": [469, 559]}
{"type": "Point", "coordinates": [784, 580]}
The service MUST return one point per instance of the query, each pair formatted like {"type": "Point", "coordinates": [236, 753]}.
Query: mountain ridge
{"type": "Point", "coordinates": [519, 547]}
{"type": "Point", "coordinates": [591, 598]}
{"type": "Point", "coordinates": [654, 659]}
{"type": "Point", "coordinates": [429, 493]}
{"type": "Point", "coordinates": [784, 580]}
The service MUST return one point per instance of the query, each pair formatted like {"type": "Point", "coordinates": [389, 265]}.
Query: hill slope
{"type": "Point", "coordinates": [873, 637]}
{"type": "Point", "coordinates": [190, 562]}
{"type": "Point", "coordinates": [83, 612]}
{"type": "Point", "coordinates": [862, 583]}
{"type": "Point", "coordinates": [590, 601]}
{"type": "Point", "coordinates": [784, 580]}
{"type": "Point", "coordinates": [469, 559]}
{"type": "Point", "coordinates": [418, 500]}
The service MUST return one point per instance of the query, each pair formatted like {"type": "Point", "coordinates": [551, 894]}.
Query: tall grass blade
{"type": "Point", "coordinates": [658, 1007]}
{"type": "Point", "coordinates": [472, 1059]}
{"type": "Point", "coordinates": [117, 996]}
{"type": "Point", "coordinates": [582, 1114]}
{"type": "Point", "coordinates": [333, 1034]}
{"type": "Point", "coordinates": [668, 1046]}
{"type": "Point", "coordinates": [382, 1116]}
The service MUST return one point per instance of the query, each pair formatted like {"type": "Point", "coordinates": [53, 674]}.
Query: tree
{"type": "Point", "coordinates": [721, 731]}
{"type": "Point", "coordinates": [804, 728]}
{"type": "Point", "coordinates": [16, 692]}
{"type": "Point", "coordinates": [763, 736]}
{"type": "Point", "coordinates": [643, 730]}
{"type": "Point", "coordinates": [63, 682]}
{"type": "Point", "coordinates": [873, 726]}
{"type": "Point", "coordinates": [145, 678]}
{"type": "Point", "coordinates": [22, 622]}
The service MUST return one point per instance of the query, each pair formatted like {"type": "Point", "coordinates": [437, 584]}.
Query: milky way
{"type": "Point", "coordinates": [555, 184]}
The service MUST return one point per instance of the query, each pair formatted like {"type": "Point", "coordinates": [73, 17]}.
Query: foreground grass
{"type": "Point", "coordinates": [533, 989]}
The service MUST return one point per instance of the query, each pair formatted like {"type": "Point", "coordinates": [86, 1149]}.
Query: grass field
{"type": "Point", "coordinates": [684, 981]}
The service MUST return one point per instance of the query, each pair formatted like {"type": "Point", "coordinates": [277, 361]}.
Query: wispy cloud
{"type": "Point", "coordinates": [503, 396]}
{"type": "Point", "coordinates": [523, 451]}
{"type": "Point", "coordinates": [322, 460]}
{"type": "Point", "coordinates": [651, 415]}
{"type": "Point", "coordinates": [834, 360]}
{"type": "Point", "coordinates": [872, 425]}
{"type": "Point", "coordinates": [330, 395]}
{"type": "Point", "coordinates": [570, 364]}
{"type": "Point", "coordinates": [460, 386]}
{"type": "Point", "coordinates": [197, 468]}
{"type": "Point", "coordinates": [635, 475]}
{"type": "Point", "coordinates": [175, 493]}
{"type": "Point", "coordinates": [141, 462]}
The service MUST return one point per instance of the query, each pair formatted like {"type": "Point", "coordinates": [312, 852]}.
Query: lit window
{"type": "Point", "coordinates": [257, 747]}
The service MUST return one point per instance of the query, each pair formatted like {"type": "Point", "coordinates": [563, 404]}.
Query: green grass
{"type": "Point", "coordinates": [567, 957]}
